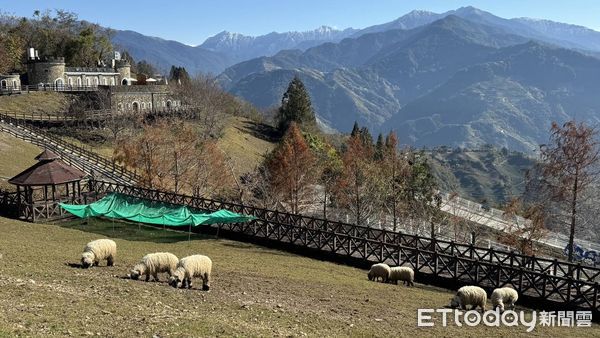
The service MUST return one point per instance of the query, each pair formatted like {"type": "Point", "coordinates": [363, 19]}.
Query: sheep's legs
{"type": "Point", "coordinates": [110, 261]}
{"type": "Point", "coordinates": [155, 277]}
{"type": "Point", "coordinates": [147, 277]}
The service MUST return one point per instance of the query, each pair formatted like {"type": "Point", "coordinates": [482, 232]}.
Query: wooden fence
{"type": "Point", "coordinates": [562, 284]}
{"type": "Point", "coordinates": [46, 140]}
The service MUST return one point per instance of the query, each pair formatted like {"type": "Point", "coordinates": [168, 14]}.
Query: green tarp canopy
{"type": "Point", "coordinates": [119, 206]}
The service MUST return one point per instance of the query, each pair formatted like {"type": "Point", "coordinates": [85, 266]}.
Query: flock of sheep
{"type": "Point", "coordinates": [466, 295]}
{"type": "Point", "coordinates": [181, 271]}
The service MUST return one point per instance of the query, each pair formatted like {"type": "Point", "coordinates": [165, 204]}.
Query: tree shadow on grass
{"type": "Point", "coordinates": [261, 131]}
{"type": "Point", "coordinates": [133, 231]}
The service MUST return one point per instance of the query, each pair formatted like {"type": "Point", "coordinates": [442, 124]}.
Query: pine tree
{"type": "Point", "coordinates": [379, 148]}
{"type": "Point", "coordinates": [355, 129]}
{"type": "Point", "coordinates": [296, 107]}
{"type": "Point", "coordinates": [366, 137]}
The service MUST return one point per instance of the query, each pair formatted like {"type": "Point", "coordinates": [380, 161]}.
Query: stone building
{"type": "Point", "coordinates": [51, 72]}
{"type": "Point", "coordinates": [149, 98]}
{"type": "Point", "coordinates": [127, 94]}
{"type": "Point", "coordinates": [10, 81]}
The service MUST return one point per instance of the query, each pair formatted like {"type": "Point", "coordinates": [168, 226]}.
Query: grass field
{"type": "Point", "coordinates": [15, 156]}
{"type": "Point", "coordinates": [254, 291]}
{"type": "Point", "coordinates": [246, 143]}
{"type": "Point", "coordinates": [35, 102]}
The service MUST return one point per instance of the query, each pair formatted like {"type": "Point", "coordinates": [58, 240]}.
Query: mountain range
{"type": "Point", "coordinates": [460, 78]}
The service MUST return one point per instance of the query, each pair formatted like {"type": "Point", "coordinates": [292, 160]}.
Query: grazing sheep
{"type": "Point", "coordinates": [469, 295]}
{"type": "Point", "coordinates": [153, 264]}
{"type": "Point", "coordinates": [190, 267]}
{"type": "Point", "coordinates": [379, 270]}
{"type": "Point", "coordinates": [98, 250]}
{"type": "Point", "coordinates": [403, 273]}
{"type": "Point", "coordinates": [504, 296]}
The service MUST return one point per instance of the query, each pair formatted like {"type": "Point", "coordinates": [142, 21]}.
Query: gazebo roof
{"type": "Point", "coordinates": [50, 170]}
{"type": "Point", "coordinates": [47, 155]}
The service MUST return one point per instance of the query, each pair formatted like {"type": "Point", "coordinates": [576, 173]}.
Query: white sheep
{"type": "Point", "coordinates": [469, 295]}
{"type": "Point", "coordinates": [379, 270]}
{"type": "Point", "coordinates": [504, 297]}
{"type": "Point", "coordinates": [190, 267]}
{"type": "Point", "coordinates": [403, 273]}
{"type": "Point", "coordinates": [155, 263]}
{"type": "Point", "coordinates": [98, 250]}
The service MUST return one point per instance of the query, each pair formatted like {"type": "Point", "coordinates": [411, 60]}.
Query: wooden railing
{"type": "Point", "coordinates": [46, 140]}
{"type": "Point", "coordinates": [563, 283]}
{"type": "Point", "coordinates": [45, 117]}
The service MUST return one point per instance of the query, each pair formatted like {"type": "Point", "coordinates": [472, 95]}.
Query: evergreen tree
{"type": "Point", "coordinates": [379, 148]}
{"type": "Point", "coordinates": [179, 75]}
{"type": "Point", "coordinates": [355, 130]}
{"type": "Point", "coordinates": [296, 107]}
{"type": "Point", "coordinates": [366, 137]}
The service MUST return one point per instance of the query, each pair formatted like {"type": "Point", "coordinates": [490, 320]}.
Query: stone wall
{"type": "Point", "coordinates": [142, 98]}
{"type": "Point", "coordinates": [10, 81]}
{"type": "Point", "coordinates": [45, 71]}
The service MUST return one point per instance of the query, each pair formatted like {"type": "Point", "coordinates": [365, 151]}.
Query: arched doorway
{"type": "Point", "coordinates": [124, 82]}
{"type": "Point", "coordinates": [136, 107]}
{"type": "Point", "coordinates": [168, 104]}
{"type": "Point", "coordinates": [59, 83]}
{"type": "Point", "coordinates": [3, 84]}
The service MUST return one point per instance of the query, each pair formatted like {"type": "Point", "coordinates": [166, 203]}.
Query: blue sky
{"type": "Point", "coordinates": [191, 22]}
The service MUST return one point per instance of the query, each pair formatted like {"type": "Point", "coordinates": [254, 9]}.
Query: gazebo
{"type": "Point", "coordinates": [45, 184]}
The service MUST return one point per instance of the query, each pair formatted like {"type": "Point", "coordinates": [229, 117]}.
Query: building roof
{"type": "Point", "coordinates": [50, 170]}
{"type": "Point", "coordinates": [47, 155]}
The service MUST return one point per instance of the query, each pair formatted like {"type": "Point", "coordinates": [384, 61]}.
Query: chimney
{"type": "Point", "coordinates": [31, 53]}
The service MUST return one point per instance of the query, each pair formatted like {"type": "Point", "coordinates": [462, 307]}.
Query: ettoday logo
{"type": "Point", "coordinates": [425, 318]}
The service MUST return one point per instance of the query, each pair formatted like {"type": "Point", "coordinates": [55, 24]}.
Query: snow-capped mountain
{"type": "Point", "coordinates": [242, 47]}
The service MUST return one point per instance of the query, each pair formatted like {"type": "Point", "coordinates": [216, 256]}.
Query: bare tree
{"type": "Point", "coordinates": [523, 233]}
{"type": "Point", "coordinates": [209, 103]}
{"type": "Point", "coordinates": [568, 169]}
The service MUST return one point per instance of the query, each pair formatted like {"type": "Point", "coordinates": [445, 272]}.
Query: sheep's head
{"type": "Point", "coordinates": [134, 274]}
{"type": "Point", "coordinates": [87, 259]}
{"type": "Point", "coordinates": [175, 282]}
{"type": "Point", "coordinates": [370, 275]}
{"type": "Point", "coordinates": [454, 302]}
{"type": "Point", "coordinates": [137, 271]}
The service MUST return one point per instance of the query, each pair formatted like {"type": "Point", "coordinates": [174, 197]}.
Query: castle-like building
{"type": "Point", "coordinates": [51, 71]}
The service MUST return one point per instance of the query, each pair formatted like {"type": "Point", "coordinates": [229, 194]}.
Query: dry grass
{"type": "Point", "coordinates": [15, 156]}
{"type": "Point", "coordinates": [246, 142]}
{"type": "Point", "coordinates": [35, 102]}
{"type": "Point", "coordinates": [255, 291]}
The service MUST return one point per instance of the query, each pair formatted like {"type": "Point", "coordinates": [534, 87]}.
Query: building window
{"type": "Point", "coordinates": [78, 82]}
{"type": "Point", "coordinates": [70, 81]}
{"type": "Point", "coordinates": [87, 81]}
{"type": "Point", "coordinates": [143, 105]}
{"type": "Point", "coordinates": [112, 81]}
